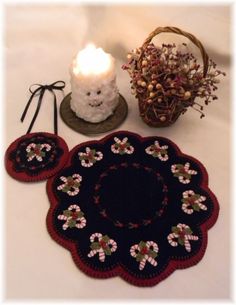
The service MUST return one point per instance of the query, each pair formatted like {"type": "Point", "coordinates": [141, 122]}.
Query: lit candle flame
{"type": "Point", "coordinates": [92, 60]}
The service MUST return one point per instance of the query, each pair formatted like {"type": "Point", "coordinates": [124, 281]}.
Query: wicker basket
{"type": "Point", "coordinates": [158, 115]}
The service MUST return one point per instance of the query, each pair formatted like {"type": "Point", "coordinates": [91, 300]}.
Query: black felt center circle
{"type": "Point", "coordinates": [131, 195]}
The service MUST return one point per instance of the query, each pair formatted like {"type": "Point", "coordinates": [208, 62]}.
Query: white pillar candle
{"type": "Point", "coordinates": [93, 84]}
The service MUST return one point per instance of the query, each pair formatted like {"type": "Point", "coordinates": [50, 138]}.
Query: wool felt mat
{"type": "Point", "coordinates": [132, 207]}
{"type": "Point", "coordinates": [36, 156]}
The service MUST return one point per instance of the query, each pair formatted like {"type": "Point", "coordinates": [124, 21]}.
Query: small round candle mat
{"type": "Point", "coordinates": [81, 126]}
{"type": "Point", "coordinates": [36, 156]}
{"type": "Point", "coordinates": [132, 207]}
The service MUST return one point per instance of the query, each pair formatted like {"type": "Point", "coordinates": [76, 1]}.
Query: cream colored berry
{"type": "Point", "coordinates": [150, 87]}
{"type": "Point", "coordinates": [187, 95]}
{"type": "Point", "coordinates": [139, 82]}
{"type": "Point", "coordinates": [144, 63]}
{"type": "Point", "coordinates": [162, 118]}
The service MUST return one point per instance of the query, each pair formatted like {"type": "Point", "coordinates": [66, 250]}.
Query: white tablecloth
{"type": "Point", "coordinates": [40, 42]}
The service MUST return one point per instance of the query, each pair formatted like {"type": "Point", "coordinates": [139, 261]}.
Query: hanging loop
{"type": "Point", "coordinates": [40, 90]}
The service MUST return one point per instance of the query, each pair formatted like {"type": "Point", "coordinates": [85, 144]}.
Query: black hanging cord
{"type": "Point", "coordinates": [58, 85]}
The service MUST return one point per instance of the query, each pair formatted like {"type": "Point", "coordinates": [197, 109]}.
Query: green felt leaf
{"type": "Point", "coordinates": [30, 153]}
{"type": "Point", "coordinates": [175, 229]}
{"type": "Point", "coordinates": [196, 207]}
{"type": "Point", "coordinates": [107, 251]}
{"type": "Point", "coordinates": [106, 238]}
{"type": "Point", "coordinates": [67, 213]}
{"type": "Point", "coordinates": [80, 214]}
{"type": "Point", "coordinates": [181, 241]}
{"type": "Point", "coordinates": [93, 151]}
{"type": "Point", "coordinates": [76, 184]}
{"type": "Point", "coordinates": [155, 155]}
{"type": "Point", "coordinates": [43, 154]}
{"type": "Point", "coordinates": [72, 223]}
{"type": "Point", "coordinates": [153, 254]}
{"type": "Point", "coordinates": [188, 231]}
{"type": "Point", "coordinates": [65, 189]}
{"type": "Point", "coordinates": [139, 257]}
{"type": "Point", "coordinates": [95, 246]}
{"type": "Point", "coordinates": [142, 244]}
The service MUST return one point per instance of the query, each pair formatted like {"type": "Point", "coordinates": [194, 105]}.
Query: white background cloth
{"type": "Point", "coordinates": [40, 42]}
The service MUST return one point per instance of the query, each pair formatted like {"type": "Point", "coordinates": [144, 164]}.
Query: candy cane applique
{"type": "Point", "coordinates": [37, 151]}
{"type": "Point", "coordinates": [71, 184]}
{"type": "Point", "coordinates": [158, 151]}
{"type": "Point", "coordinates": [90, 157]}
{"type": "Point", "coordinates": [182, 172]}
{"type": "Point", "coordinates": [122, 146]}
{"type": "Point", "coordinates": [143, 252]}
{"type": "Point", "coordinates": [101, 244]}
{"type": "Point", "coordinates": [193, 202]}
{"type": "Point", "coordinates": [181, 235]}
{"type": "Point", "coordinates": [73, 217]}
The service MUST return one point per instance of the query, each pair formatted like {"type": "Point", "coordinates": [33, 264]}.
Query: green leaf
{"type": "Point", "coordinates": [76, 184]}
{"type": "Point", "coordinates": [139, 257]}
{"type": "Point", "coordinates": [80, 214]}
{"type": "Point", "coordinates": [65, 189]}
{"type": "Point", "coordinates": [106, 238]}
{"type": "Point", "coordinates": [43, 154]}
{"type": "Point", "coordinates": [155, 155]}
{"type": "Point", "coordinates": [188, 231]}
{"type": "Point", "coordinates": [107, 251]}
{"type": "Point", "coordinates": [72, 223]}
{"type": "Point", "coordinates": [181, 241]}
{"type": "Point", "coordinates": [95, 246]}
{"type": "Point", "coordinates": [93, 151]}
{"type": "Point", "coordinates": [30, 153]}
{"type": "Point", "coordinates": [67, 213]}
{"type": "Point", "coordinates": [196, 207]}
{"type": "Point", "coordinates": [142, 244]}
{"type": "Point", "coordinates": [175, 229]}
{"type": "Point", "coordinates": [153, 254]}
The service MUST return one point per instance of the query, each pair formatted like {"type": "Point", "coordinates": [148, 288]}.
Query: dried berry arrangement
{"type": "Point", "coordinates": [166, 81]}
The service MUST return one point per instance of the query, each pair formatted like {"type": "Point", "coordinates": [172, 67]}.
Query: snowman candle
{"type": "Point", "coordinates": [94, 94]}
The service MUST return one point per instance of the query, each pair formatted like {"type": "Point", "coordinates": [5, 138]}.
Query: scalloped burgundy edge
{"type": "Point", "coordinates": [119, 270]}
{"type": "Point", "coordinates": [21, 176]}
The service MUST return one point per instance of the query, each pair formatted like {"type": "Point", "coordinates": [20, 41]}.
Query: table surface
{"type": "Point", "coordinates": [40, 42]}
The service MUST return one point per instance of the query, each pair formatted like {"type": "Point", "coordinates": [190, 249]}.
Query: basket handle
{"type": "Point", "coordinates": [175, 30]}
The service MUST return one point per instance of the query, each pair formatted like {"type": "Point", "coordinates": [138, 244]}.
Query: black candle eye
{"type": "Point", "coordinates": [88, 93]}
{"type": "Point", "coordinates": [99, 92]}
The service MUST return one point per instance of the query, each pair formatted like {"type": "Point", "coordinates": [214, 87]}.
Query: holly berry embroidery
{"type": "Point", "coordinates": [158, 151]}
{"type": "Point", "coordinates": [122, 147]}
{"type": "Point", "coordinates": [193, 202]}
{"type": "Point", "coordinates": [182, 172]}
{"type": "Point", "coordinates": [71, 184]}
{"type": "Point", "coordinates": [143, 252]}
{"type": "Point", "coordinates": [90, 157]}
{"type": "Point", "coordinates": [181, 235]}
{"type": "Point", "coordinates": [73, 217]}
{"type": "Point", "coordinates": [103, 245]}
{"type": "Point", "coordinates": [37, 151]}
